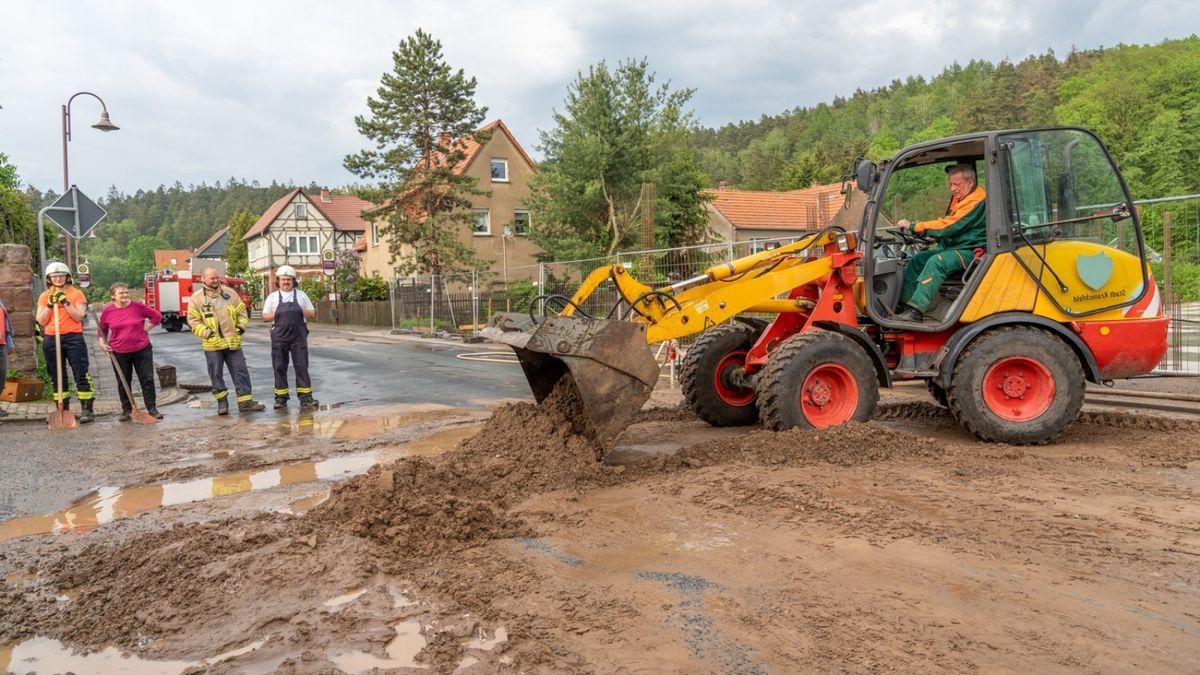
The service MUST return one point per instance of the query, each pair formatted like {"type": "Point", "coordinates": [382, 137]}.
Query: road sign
{"type": "Point", "coordinates": [328, 264]}
{"type": "Point", "coordinates": [82, 276]}
{"type": "Point", "coordinates": [74, 203]}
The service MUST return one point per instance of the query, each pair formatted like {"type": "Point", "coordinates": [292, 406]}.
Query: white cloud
{"type": "Point", "coordinates": [269, 89]}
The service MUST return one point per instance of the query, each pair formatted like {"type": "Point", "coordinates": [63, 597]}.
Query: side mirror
{"type": "Point", "coordinates": [864, 174]}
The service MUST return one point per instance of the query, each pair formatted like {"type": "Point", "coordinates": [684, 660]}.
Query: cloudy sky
{"type": "Point", "coordinates": [267, 90]}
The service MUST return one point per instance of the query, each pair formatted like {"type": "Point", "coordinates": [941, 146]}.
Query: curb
{"type": "Point", "coordinates": [40, 410]}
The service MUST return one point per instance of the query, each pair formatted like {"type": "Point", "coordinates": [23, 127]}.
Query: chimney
{"type": "Point", "coordinates": [721, 185]}
{"type": "Point", "coordinates": [325, 196]}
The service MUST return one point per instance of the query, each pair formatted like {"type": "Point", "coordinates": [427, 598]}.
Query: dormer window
{"type": "Point", "coordinates": [302, 212]}
{"type": "Point", "coordinates": [499, 170]}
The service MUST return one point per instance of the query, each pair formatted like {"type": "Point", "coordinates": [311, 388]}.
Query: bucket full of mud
{"type": "Point", "coordinates": [611, 365]}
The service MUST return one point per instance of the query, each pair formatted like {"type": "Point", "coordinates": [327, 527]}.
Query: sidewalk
{"type": "Point", "coordinates": [107, 400]}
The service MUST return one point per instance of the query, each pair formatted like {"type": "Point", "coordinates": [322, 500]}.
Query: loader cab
{"type": "Point", "coordinates": [1042, 186]}
{"type": "Point", "coordinates": [913, 186]}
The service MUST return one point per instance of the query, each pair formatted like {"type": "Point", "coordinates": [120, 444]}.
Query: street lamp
{"type": "Point", "coordinates": [104, 124]}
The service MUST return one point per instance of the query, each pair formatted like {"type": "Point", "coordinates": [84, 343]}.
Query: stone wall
{"type": "Point", "coordinates": [16, 290]}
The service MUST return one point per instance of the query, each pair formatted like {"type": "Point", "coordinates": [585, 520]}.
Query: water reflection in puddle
{"type": "Point", "coordinates": [109, 503]}
{"type": "Point", "coordinates": [44, 655]}
{"type": "Point", "coordinates": [358, 428]}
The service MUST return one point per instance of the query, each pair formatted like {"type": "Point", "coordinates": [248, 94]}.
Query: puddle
{"type": "Point", "coordinates": [45, 655]}
{"type": "Point", "coordinates": [344, 599]}
{"type": "Point", "coordinates": [359, 428]}
{"type": "Point", "coordinates": [401, 651]}
{"type": "Point", "coordinates": [109, 503]}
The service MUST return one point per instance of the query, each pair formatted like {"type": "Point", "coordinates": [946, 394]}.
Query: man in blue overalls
{"type": "Point", "coordinates": [288, 308]}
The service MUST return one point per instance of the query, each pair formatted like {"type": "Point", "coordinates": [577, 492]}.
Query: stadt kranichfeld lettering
{"type": "Point", "coordinates": [1101, 295]}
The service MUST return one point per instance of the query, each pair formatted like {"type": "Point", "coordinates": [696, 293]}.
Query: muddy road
{"type": "Point", "coordinates": [476, 540]}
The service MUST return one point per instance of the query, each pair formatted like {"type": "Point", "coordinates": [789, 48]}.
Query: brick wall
{"type": "Point", "coordinates": [16, 290]}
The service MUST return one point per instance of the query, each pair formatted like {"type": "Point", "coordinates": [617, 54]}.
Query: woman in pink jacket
{"type": "Point", "coordinates": [123, 327]}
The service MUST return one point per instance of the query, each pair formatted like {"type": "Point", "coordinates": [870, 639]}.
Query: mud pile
{"type": "Point", "coordinates": [418, 507]}
{"type": "Point", "coordinates": [849, 444]}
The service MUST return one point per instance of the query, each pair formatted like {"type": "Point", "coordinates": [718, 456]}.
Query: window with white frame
{"type": "Point", "coordinates": [374, 234]}
{"type": "Point", "coordinates": [483, 223]}
{"type": "Point", "coordinates": [499, 170]}
{"type": "Point", "coordinates": [302, 212]}
{"type": "Point", "coordinates": [757, 244]}
{"type": "Point", "coordinates": [520, 223]}
{"type": "Point", "coordinates": [301, 244]}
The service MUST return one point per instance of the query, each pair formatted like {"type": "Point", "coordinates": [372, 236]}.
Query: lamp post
{"type": "Point", "coordinates": [104, 124]}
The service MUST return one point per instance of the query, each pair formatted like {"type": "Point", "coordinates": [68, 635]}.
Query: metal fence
{"type": "Point", "coordinates": [462, 303]}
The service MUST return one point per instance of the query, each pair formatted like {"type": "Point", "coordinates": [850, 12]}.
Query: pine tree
{"type": "Point", "coordinates": [618, 131]}
{"type": "Point", "coordinates": [420, 123]}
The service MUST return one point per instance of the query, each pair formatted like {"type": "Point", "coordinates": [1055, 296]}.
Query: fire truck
{"type": "Point", "coordinates": [169, 291]}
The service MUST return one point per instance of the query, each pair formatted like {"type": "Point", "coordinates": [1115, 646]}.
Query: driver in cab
{"type": "Point", "coordinates": [954, 236]}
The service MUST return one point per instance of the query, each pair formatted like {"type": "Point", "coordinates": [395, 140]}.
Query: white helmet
{"type": "Point", "coordinates": [57, 268]}
{"type": "Point", "coordinates": [285, 271]}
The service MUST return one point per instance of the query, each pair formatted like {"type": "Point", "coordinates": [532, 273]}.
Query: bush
{"type": "Point", "coordinates": [1185, 279]}
{"type": "Point", "coordinates": [316, 289]}
{"type": "Point", "coordinates": [369, 288]}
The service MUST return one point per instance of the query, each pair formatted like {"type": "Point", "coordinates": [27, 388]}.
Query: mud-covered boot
{"type": "Point", "coordinates": [280, 402]}
{"type": "Point", "coordinates": [153, 412]}
{"type": "Point", "coordinates": [223, 406]}
{"type": "Point", "coordinates": [125, 415]}
{"type": "Point", "coordinates": [250, 406]}
{"type": "Point", "coordinates": [88, 415]}
{"type": "Point", "coordinates": [308, 404]}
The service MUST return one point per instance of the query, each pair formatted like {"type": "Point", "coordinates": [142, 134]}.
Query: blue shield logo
{"type": "Point", "coordinates": [1095, 270]}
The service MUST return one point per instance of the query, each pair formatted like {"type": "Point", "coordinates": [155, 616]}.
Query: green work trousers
{"type": "Point", "coordinates": [926, 271]}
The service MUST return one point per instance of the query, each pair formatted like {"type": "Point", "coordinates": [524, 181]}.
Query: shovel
{"type": "Point", "coordinates": [612, 369]}
{"type": "Point", "coordinates": [60, 418]}
{"type": "Point", "coordinates": [139, 416]}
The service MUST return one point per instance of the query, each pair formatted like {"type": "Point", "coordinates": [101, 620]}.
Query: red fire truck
{"type": "Point", "coordinates": [168, 292]}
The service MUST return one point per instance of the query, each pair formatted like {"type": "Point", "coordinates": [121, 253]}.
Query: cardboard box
{"type": "Point", "coordinates": [18, 389]}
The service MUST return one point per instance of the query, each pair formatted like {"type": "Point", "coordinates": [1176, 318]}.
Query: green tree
{"type": "Point", "coordinates": [420, 124]}
{"type": "Point", "coordinates": [140, 255]}
{"type": "Point", "coordinates": [617, 131]}
{"type": "Point", "coordinates": [235, 255]}
{"type": "Point", "coordinates": [18, 222]}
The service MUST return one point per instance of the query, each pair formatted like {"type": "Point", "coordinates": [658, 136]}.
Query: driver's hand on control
{"type": "Point", "coordinates": [903, 223]}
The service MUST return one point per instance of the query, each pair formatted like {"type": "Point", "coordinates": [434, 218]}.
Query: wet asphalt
{"type": "Point", "coordinates": [352, 368]}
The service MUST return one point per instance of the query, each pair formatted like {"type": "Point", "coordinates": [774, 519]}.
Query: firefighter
{"type": "Point", "coordinates": [219, 317]}
{"type": "Point", "coordinates": [62, 300]}
{"type": "Point", "coordinates": [289, 308]}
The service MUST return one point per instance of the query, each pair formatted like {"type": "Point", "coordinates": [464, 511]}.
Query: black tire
{"type": "Point", "coordinates": [173, 325]}
{"type": "Point", "coordinates": [711, 394]}
{"type": "Point", "coordinates": [1018, 385]}
{"type": "Point", "coordinates": [817, 379]}
{"type": "Point", "coordinates": [938, 394]}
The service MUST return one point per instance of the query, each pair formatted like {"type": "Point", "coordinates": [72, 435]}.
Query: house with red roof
{"type": "Point", "coordinates": [298, 228]}
{"type": "Point", "coordinates": [498, 232]}
{"type": "Point", "coordinates": [174, 259]}
{"type": "Point", "coordinates": [750, 216]}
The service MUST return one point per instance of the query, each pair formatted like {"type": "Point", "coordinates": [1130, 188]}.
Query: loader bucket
{"type": "Point", "coordinates": [612, 368]}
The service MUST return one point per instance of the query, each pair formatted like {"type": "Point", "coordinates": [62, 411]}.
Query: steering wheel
{"type": "Point", "coordinates": [905, 235]}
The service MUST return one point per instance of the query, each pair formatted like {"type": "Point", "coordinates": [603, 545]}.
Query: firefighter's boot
{"type": "Point", "coordinates": [280, 402]}
{"type": "Point", "coordinates": [88, 415]}
{"type": "Point", "coordinates": [223, 406]}
{"type": "Point", "coordinates": [308, 404]}
{"type": "Point", "coordinates": [250, 406]}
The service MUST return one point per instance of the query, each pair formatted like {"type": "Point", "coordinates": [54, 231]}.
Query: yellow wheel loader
{"type": "Point", "coordinates": [805, 334]}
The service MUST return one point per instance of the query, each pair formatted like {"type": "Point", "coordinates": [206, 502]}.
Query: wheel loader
{"type": "Point", "coordinates": [804, 335]}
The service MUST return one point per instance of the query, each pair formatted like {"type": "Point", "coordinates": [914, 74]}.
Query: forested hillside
{"type": "Point", "coordinates": [1143, 101]}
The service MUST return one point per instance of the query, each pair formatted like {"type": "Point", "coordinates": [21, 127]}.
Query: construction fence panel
{"type": "Point", "coordinates": [1172, 233]}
